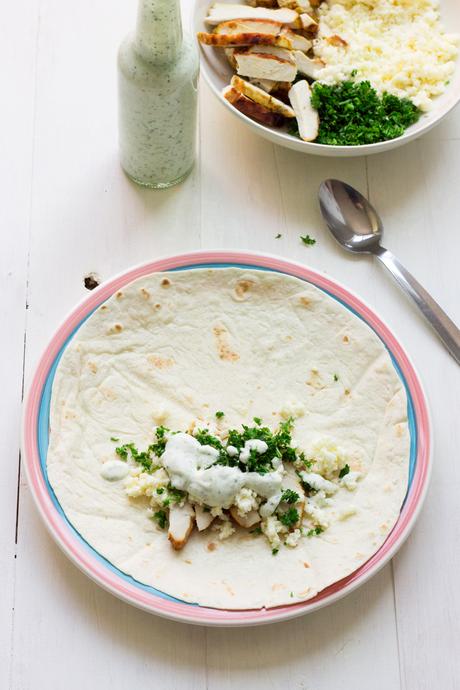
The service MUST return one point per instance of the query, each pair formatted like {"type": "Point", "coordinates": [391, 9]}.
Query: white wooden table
{"type": "Point", "coordinates": [66, 210]}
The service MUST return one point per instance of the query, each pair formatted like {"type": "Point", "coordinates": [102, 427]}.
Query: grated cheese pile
{"type": "Point", "coordinates": [400, 46]}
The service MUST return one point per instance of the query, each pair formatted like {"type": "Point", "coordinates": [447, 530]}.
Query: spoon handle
{"type": "Point", "coordinates": [438, 319]}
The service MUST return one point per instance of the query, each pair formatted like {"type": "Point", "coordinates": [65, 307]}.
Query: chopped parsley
{"type": "Point", "coordinates": [219, 414]}
{"type": "Point", "coordinates": [344, 471]}
{"type": "Point", "coordinates": [160, 491]}
{"type": "Point", "coordinates": [278, 236]}
{"type": "Point", "coordinates": [274, 552]}
{"type": "Point", "coordinates": [115, 440]}
{"type": "Point", "coordinates": [353, 114]}
{"type": "Point", "coordinates": [309, 241]}
{"type": "Point", "coordinates": [336, 378]}
{"type": "Point", "coordinates": [315, 531]}
{"type": "Point", "coordinates": [160, 517]}
{"type": "Point", "coordinates": [256, 530]}
{"type": "Point", "coordinates": [290, 496]}
{"type": "Point", "coordinates": [289, 518]}
{"type": "Point", "coordinates": [278, 446]}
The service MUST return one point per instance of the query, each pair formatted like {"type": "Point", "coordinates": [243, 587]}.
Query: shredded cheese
{"type": "Point", "coordinates": [400, 46]}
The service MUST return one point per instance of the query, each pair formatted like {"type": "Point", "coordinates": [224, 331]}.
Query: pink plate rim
{"type": "Point", "coordinates": [184, 612]}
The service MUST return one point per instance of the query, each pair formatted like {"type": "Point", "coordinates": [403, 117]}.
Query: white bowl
{"type": "Point", "coordinates": [217, 72]}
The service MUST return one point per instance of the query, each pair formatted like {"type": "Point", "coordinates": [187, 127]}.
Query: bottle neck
{"type": "Point", "coordinates": [159, 30]}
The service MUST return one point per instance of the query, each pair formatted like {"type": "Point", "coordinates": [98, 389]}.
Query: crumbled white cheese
{"type": "Point", "coordinates": [400, 46]}
{"type": "Point", "coordinates": [320, 500]}
{"type": "Point", "coordinates": [245, 501]}
{"type": "Point", "coordinates": [317, 515]}
{"type": "Point", "coordinates": [350, 480]}
{"type": "Point", "coordinates": [317, 482]}
{"type": "Point", "coordinates": [226, 529]}
{"type": "Point", "coordinates": [293, 538]}
{"type": "Point", "coordinates": [272, 528]}
{"type": "Point", "coordinates": [329, 458]}
{"type": "Point", "coordinates": [292, 408]}
{"type": "Point", "coordinates": [144, 484]}
{"type": "Point", "coordinates": [232, 451]}
{"type": "Point", "coordinates": [346, 512]}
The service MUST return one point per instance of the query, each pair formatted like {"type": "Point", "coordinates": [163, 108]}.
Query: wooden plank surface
{"type": "Point", "coordinates": [68, 211]}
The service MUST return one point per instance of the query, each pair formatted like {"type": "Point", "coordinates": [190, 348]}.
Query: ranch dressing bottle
{"type": "Point", "coordinates": [157, 81]}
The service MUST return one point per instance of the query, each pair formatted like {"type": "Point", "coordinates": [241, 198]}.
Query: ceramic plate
{"type": "Point", "coordinates": [35, 445]}
{"type": "Point", "coordinates": [217, 72]}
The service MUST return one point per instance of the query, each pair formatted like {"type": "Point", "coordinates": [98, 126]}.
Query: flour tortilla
{"type": "Point", "coordinates": [174, 348]}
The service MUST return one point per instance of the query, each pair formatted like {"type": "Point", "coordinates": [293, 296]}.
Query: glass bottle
{"type": "Point", "coordinates": [157, 88]}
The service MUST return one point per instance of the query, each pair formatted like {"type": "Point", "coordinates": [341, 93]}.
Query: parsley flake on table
{"type": "Point", "coordinates": [309, 241]}
{"type": "Point", "coordinates": [219, 414]}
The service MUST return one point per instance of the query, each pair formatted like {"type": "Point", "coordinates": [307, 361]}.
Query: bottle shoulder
{"type": "Point", "coordinates": [136, 68]}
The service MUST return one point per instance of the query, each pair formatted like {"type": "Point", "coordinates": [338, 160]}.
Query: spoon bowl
{"type": "Point", "coordinates": [350, 217]}
{"type": "Point", "coordinates": [357, 227]}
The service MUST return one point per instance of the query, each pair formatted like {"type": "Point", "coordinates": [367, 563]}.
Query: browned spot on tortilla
{"type": "Point", "coordinates": [119, 295]}
{"type": "Point", "coordinates": [306, 565]}
{"type": "Point", "coordinates": [92, 367]}
{"type": "Point", "coordinates": [399, 430]}
{"type": "Point", "coordinates": [145, 293]}
{"type": "Point", "coordinates": [70, 415]}
{"type": "Point", "coordinates": [118, 327]}
{"type": "Point", "coordinates": [347, 391]}
{"type": "Point", "coordinates": [242, 288]}
{"type": "Point", "coordinates": [315, 380]}
{"type": "Point", "coordinates": [278, 586]}
{"type": "Point", "coordinates": [191, 427]}
{"type": "Point", "coordinates": [304, 301]}
{"type": "Point", "coordinates": [211, 546]}
{"type": "Point", "coordinates": [165, 282]}
{"type": "Point", "coordinates": [104, 307]}
{"type": "Point", "coordinates": [229, 589]}
{"type": "Point", "coordinates": [346, 339]}
{"type": "Point", "coordinates": [161, 362]}
{"type": "Point", "coordinates": [304, 593]}
{"type": "Point", "coordinates": [157, 306]}
{"type": "Point", "coordinates": [108, 394]}
{"type": "Point", "coordinates": [187, 561]}
{"type": "Point", "coordinates": [223, 348]}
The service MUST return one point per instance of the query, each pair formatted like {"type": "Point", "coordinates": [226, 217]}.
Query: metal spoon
{"type": "Point", "coordinates": [357, 227]}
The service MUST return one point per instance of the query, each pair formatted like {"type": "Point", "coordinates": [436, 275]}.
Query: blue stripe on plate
{"type": "Point", "coordinates": [44, 415]}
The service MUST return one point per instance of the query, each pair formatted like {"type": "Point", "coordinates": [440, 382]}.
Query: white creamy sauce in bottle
{"type": "Point", "coordinates": [157, 81]}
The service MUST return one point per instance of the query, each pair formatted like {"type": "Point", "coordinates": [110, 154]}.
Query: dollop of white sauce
{"type": "Point", "coordinates": [317, 482]}
{"type": "Point", "coordinates": [253, 444]}
{"type": "Point", "coordinates": [215, 486]}
{"type": "Point", "coordinates": [114, 470]}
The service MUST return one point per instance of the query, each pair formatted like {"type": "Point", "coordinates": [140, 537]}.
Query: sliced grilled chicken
{"type": "Point", "coordinates": [307, 116]}
{"type": "Point", "coordinates": [253, 110]}
{"type": "Point", "coordinates": [266, 84]}
{"type": "Point", "coordinates": [181, 520]}
{"type": "Point", "coordinates": [250, 32]}
{"type": "Point", "coordinates": [309, 67]}
{"type": "Point", "coordinates": [308, 23]}
{"type": "Point", "coordinates": [262, 3]}
{"type": "Point", "coordinates": [222, 12]}
{"type": "Point", "coordinates": [265, 65]}
{"type": "Point", "coordinates": [297, 5]}
{"type": "Point", "coordinates": [296, 41]}
{"type": "Point", "coordinates": [262, 97]}
{"type": "Point", "coordinates": [203, 518]}
{"type": "Point", "coordinates": [230, 55]}
{"type": "Point", "coordinates": [249, 520]}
